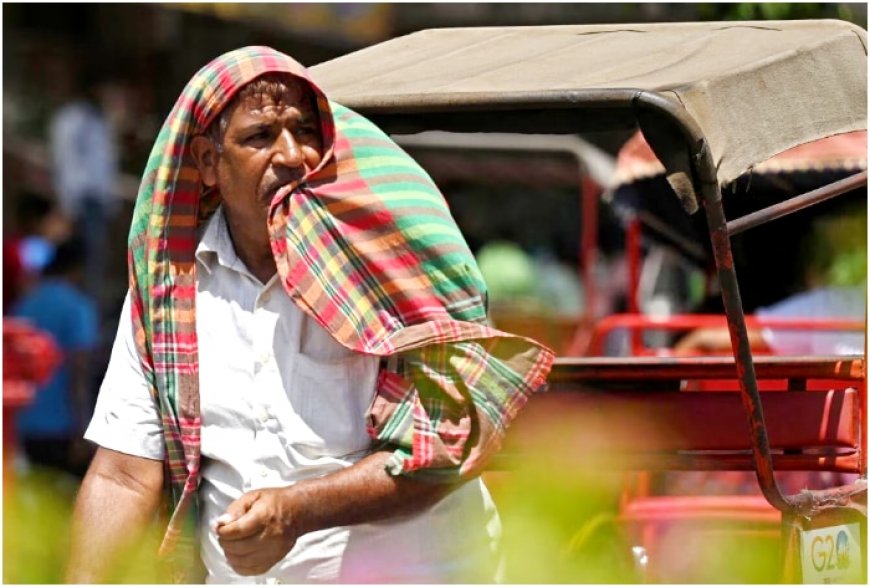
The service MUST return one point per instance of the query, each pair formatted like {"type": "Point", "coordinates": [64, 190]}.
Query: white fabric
{"type": "Point", "coordinates": [84, 154]}
{"type": "Point", "coordinates": [281, 401]}
{"type": "Point", "coordinates": [821, 303]}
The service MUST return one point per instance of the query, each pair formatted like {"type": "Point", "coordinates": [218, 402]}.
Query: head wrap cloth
{"type": "Point", "coordinates": [364, 244]}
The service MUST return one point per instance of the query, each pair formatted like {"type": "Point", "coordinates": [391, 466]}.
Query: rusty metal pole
{"type": "Point", "coordinates": [705, 180]}
{"type": "Point", "coordinates": [740, 344]}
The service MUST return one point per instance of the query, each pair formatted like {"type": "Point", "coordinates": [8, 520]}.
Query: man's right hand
{"type": "Point", "coordinates": [257, 530]}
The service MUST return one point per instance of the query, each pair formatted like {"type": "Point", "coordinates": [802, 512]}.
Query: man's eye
{"type": "Point", "coordinates": [257, 136]}
{"type": "Point", "coordinates": [306, 130]}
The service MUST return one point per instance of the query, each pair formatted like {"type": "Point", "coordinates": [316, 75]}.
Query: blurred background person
{"type": "Point", "coordinates": [835, 278]}
{"type": "Point", "coordinates": [41, 225]}
{"type": "Point", "coordinates": [84, 158]}
{"type": "Point", "coordinates": [51, 427]}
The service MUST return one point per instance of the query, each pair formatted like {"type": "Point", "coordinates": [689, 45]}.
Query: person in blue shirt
{"type": "Point", "coordinates": [51, 427]}
{"type": "Point", "coordinates": [834, 254]}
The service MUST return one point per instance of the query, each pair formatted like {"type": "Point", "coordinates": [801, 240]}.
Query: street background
{"type": "Point", "coordinates": [132, 60]}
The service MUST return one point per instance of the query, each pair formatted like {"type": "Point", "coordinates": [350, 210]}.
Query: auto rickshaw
{"type": "Point", "coordinates": [713, 100]}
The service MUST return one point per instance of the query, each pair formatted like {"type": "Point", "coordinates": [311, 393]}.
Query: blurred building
{"type": "Point", "coordinates": [146, 52]}
{"type": "Point", "coordinates": [141, 55]}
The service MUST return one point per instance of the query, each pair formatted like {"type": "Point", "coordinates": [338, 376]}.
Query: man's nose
{"type": "Point", "coordinates": [287, 151]}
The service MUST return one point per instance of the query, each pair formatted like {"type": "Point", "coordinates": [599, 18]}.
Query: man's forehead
{"type": "Point", "coordinates": [285, 90]}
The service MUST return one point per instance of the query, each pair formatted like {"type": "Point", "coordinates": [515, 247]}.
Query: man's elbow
{"type": "Point", "coordinates": [139, 476]}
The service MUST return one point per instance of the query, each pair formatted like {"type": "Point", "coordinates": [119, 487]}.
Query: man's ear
{"type": "Point", "coordinates": [205, 156]}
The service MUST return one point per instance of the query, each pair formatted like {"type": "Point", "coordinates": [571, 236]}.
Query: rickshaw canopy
{"type": "Point", "coordinates": [750, 89]}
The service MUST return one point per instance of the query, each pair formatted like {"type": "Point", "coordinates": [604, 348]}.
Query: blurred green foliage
{"type": "Point", "coordinates": [836, 249]}
{"type": "Point", "coordinates": [36, 528]}
{"type": "Point", "coordinates": [36, 534]}
{"type": "Point", "coordinates": [777, 11]}
{"type": "Point", "coordinates": [562, 524]}
{"type": "Point", "coordinates": [559, 525]}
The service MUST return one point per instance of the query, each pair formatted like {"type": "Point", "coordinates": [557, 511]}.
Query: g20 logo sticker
{"type": "Point", "coordinates": [828, 554]}
{"type": "Point", "coordinates": [832, 554]}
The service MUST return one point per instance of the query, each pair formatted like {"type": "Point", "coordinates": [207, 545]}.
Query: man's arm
{"type": "Point", "coordinates": [116, 502]}
{"type": "Point", "coordinates": [261, 527]}
{"type": "Point", "coordinates": [716, 340]}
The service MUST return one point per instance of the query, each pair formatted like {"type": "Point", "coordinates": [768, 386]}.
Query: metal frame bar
{"type": "Point", "coordinates": [685, 322]}
{"type": "Point", "coordinates": [570, 372]}
{"type": "Point", "coordinates": [796, 203]}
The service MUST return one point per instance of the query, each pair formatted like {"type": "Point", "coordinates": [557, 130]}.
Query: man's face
{"type": "Point", "coordinates": [270, 141]}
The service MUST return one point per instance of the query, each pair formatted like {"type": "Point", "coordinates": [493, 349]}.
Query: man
{"type": "Point", "coordinates": [50, 427]}
{"type": "Point", "coordinates": [310, 360]}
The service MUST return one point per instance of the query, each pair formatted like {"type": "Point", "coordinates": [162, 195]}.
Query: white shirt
{"type": "Point", "coordinates": [848, 303]}
{"type": "Point", "coordinates": [281, 401]}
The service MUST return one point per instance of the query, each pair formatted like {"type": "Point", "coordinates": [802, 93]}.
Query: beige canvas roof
{"type": "Point", "coordinates": [754, 88]}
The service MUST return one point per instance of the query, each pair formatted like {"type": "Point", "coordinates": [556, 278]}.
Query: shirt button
{"type": "Point", "coordinates": [264, 472]}
{"type": "Point", "coordinates": [265, 297]}
{"type": "Point", "coordinates": [262, 415]}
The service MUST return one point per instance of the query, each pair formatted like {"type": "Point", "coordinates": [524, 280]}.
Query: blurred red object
{"type": "Point", "coordinates": [842, 152]}
{"type": "Point", "coordinates": [30, 358]}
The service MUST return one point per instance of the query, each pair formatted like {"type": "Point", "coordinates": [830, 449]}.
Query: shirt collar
{"type": "Point", "coordinates": [215, 245]}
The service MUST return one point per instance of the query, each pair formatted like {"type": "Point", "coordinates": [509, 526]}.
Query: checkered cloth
{"type": "Point", "coordinates": [366, 246]}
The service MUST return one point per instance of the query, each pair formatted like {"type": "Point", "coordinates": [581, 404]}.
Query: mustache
{"type": "Point", "coordinates": [274, 187]}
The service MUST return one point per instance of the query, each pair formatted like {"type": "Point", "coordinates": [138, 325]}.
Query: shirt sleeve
{"type": "Point", "coordinates": [820, 303]}
{"type": "Point", "coordinates": [446, 408]}
{"type": "Point", "coordinates": [126, 418]}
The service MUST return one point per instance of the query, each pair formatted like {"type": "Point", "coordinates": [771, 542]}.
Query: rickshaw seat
{"type": "Point", "coordinates": [633, 414]}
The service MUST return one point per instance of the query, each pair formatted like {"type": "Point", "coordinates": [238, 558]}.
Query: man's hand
{"type": "Point", "coordinates": [258, 530]}
{"type": "Point", "coordinates": [261, 527]}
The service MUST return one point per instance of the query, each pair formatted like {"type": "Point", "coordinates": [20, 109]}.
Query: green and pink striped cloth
{"type": "Point", "coordinates": [364, 244]}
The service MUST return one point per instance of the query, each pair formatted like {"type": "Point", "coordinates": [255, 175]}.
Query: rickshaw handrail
{"type": "Point", "coordinates": [684, 322]}
{"type": "Point", "coordinates": [569, 371]}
